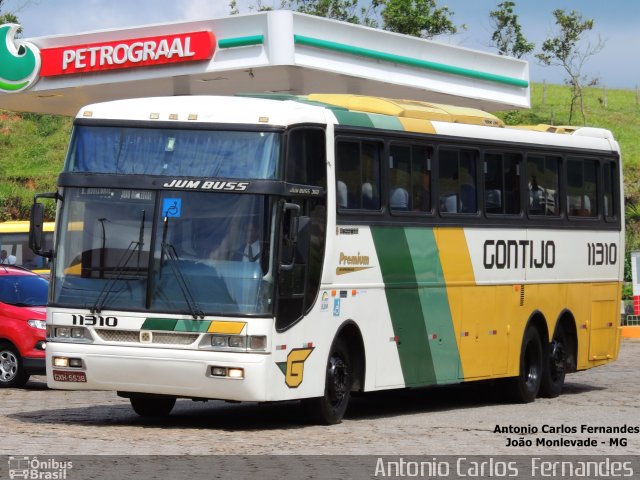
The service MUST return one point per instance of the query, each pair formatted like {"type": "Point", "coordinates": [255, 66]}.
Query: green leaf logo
{"type": "Point", "coordinates": [19, 61]}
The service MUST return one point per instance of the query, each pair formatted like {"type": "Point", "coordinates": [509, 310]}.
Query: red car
{"type": "Point", "coordinates": [23, 300]}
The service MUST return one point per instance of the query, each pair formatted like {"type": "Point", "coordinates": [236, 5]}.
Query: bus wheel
{"type": "Point", "coordinates": [524, 388]}
{"type": "Point", "coordinates": [12, 373]}
{"type": "Point", "coordinates": [554, 366]}
{"type": "Point", "coordinates": [330, 408]}
{"type": "Point", "coordinates": [151, 405]}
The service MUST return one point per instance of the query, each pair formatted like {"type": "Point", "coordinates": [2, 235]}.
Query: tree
{"type": "Point", "coordinates": [569, 49]}
{"type": "Point", "coordinates": [507, 36]}
{"type": "Point", "coordinates": [8, 17]}
{"type": "Point", "coordinates": [420, 18]}
{"type": "Point", "coordinates": [258, 6]}
{"type": "Point", "coordinates": [344, 10]}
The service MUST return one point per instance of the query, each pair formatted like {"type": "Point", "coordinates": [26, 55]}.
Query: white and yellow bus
{"type": "Point", "coordinates": [14, 245]}
{"type": "Point", "coordinates": [277, 247]}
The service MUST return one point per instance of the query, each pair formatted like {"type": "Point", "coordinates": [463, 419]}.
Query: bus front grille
{"type": "Point", "coordinates": [133, 336]}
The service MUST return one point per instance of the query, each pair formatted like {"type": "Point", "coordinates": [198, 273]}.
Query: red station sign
{"type": "Point", "coordinates": [136, 52]}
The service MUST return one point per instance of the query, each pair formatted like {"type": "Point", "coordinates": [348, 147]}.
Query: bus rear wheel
{"type": "Point", "coordinates": [331, 407]}
{"type": "Point", "coordinates": [151, 405]}
{"type": "Point", "coordinates": [525, 387]}
{"type": "Point", "coordinates": [554, 366]}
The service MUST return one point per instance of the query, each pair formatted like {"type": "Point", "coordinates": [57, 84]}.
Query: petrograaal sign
{"type": "Point", "coordinates": [136, 52]}
{"type": "Point", "coordinates": [23, 63]}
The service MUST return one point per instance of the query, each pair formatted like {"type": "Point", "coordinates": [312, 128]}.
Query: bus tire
{"type": "Point", "coordinates": [554, 366]}
{"type": "Point", "coordinates": [525, 387]}
{"type": "Point", "coordinates": [331, 407]}
{"type": "Point", "coordinates": [12, 372]}
{"type": "Point", "coordinates": [152, 406]}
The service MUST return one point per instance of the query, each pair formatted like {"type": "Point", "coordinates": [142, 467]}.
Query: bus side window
{"type": "Point", "coordinates": [306, 162]}
{"type": "Point", "coordinates": [298, 287]}
{"type": "Point", "coordinates": [370, 155]}
{"type": "Point", "coordinates": [609, 189]}
{"type": "Point", "coordinates": [347, 173]}
{"type": "Point", "coordinates": [410, 178]}
{"type": "Point", "coordinates": [342, 194]}
{"type": "Point", "coordinates": [543, 174]}
{"type": "Point", "coordinates": [421, 177]}
{"type": "Point", "coordinates": [358, 175]}
{"type": "Point", "coordinates": [457, 181]}
{"type": "Point", "coordinates": [399, 177]}
{"type": "Point", "coordinates": [502, 183]}
{"type": "Point", "coordinates": [582, 196]}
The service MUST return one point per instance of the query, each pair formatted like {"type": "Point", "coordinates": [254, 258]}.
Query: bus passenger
{"type": "Point", "coordinates": [6, 259]}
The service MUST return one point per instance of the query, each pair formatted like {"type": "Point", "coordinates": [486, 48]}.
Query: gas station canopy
{"type": "Point", "coordinates": [277, 51]}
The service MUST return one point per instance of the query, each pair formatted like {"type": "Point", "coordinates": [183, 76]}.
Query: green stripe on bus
{"type": "Point", "coordinates": [413, 62]}
{"type": "Point", "coordinates": [167, 324]}
{"type": "Point", "coordinates": [355, 119]}
{"type": "Point", "coordinates": [405, 305]}
{"type": "Point", "coordinates": [434, 302]}
{"type": "Point", "coordinates": [385, 121]}
{"type": "Point", "coordinates": [192, 326]}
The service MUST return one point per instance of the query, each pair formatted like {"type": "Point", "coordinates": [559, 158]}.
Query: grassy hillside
{"type": "Point", "coordinates": [32, 150]}
{"type": "Point", "coordinates": [32, 147]}
{"type": "Point", "coordinates": [620, 113]}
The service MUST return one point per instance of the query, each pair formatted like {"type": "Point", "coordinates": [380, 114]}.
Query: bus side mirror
{"type": "Point", "coordinates": [36, 230]}
{"type": "Point", "coordinates": [36, 226]}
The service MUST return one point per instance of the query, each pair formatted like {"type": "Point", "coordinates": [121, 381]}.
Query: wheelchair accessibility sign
{"type": "Point", "coordinates": [171, 207]}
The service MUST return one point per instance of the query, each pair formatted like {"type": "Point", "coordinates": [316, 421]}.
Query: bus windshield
{"type": "Point", "coordinates": [171, 252]}
{"type": "Point", "coordinates": [175, 152]}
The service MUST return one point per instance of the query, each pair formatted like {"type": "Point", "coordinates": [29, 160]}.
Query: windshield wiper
{"type": "Point", "coordinates": [141, 238]}
{"type": "Point", "coordinates": [169, 251]}
{"type": "Point", "coordinates": [120, 267]}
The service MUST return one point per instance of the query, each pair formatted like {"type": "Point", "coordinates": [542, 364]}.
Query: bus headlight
{"type": "Point", "coordinates": [66, 362]}
{"type": "Point", "coordinates": [69, 334]}
{"type": "Point", "coordinates": [237, 342]}
{"type": "Point", "coordinates": [78, 333]}
{"type": "Point", "coordinates": [62, 332]}
{"type": "Point", "coordinates": [235, 373]}
{"type": "Point", "coordinates": [219, 341]}
{"type": "Point", "coordinates": [251, 343]}
{"type": "Point", "coordinates": [60, 362]}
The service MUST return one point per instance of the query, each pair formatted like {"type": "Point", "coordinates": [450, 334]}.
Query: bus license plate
{"type": "Point", "coordinates": [61, 376]}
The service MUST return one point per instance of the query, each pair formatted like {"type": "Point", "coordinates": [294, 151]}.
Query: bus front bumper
{"type": "Point", "coordinates": [182, 373]}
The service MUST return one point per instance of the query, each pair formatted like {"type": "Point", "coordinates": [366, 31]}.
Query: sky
{"type": "Point", "coordinates": [617, 23]}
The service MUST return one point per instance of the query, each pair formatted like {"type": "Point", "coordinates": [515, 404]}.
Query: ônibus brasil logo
{"type": "Point", "coordinates": [19, 61]}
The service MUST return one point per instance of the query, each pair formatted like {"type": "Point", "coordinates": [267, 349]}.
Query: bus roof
{"type": "Point", "coordinates": [345, 109]}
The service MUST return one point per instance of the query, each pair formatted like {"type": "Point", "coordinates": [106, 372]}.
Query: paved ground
{"type": "Point", "coordinates": [448, 420]}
